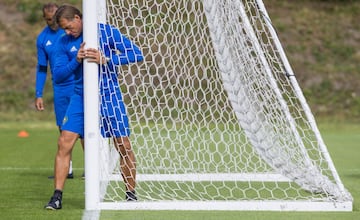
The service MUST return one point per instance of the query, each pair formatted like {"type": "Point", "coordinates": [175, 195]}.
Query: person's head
{"type": "Point", "coordinates": [49, 10]}
{"type": "Point", "coordinates": [69, 18]}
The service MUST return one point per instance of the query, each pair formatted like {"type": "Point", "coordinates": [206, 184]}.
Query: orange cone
{"type": "Point", "coordinates": [23, 134]}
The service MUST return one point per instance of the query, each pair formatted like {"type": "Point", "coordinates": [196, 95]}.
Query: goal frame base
{"type": "Point", "coordinates": [230, 205]}
{"type": "Point", "coordinates": [197, 177]}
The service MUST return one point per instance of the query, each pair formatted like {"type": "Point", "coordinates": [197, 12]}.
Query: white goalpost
{"type": "Point", "coordinates": [218, 120]}
{"type": "Point", "coordinates": [91, 110]}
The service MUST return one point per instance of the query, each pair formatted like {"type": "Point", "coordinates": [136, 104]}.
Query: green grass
{"type": "Point", "coordinates": [25, 164]}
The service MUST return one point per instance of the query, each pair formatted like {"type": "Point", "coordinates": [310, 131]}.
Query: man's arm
{"type": "Point", "coordinates": [128, 51]}
{"type": "Point", "coordinates": [41, 74]}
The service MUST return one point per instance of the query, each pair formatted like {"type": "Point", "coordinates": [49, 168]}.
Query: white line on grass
{"type": "Point", "coordinates": [31, 168]}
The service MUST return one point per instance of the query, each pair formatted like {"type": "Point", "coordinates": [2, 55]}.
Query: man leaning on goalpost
{"type": "Point", "coordinates": [68, 61]}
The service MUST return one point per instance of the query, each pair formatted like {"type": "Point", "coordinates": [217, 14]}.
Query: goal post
{"type": "Point", "coordinates": [218, 120]}
{"type": "Point", "coordinates": [91, 109]}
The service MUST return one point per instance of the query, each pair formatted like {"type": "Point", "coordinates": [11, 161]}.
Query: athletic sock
{"type": "Point", "coordinates": [70, 167]}
{"type": "Point", "coordinates": [58, 193]}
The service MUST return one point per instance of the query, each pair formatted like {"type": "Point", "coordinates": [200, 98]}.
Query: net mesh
{"type": "Point", "coordinates": [214, 114]}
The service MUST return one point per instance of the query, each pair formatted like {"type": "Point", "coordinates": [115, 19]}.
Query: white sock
{"type": "Point", "coordinates": [70, 167]}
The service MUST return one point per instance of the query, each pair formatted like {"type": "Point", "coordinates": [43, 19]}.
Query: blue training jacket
{"type": "Point", "coordinates": [120, 50]}
{"type": "Point", "coordinates": [114, 45]}
{"type": "Point", "coordinates": [45, 45]}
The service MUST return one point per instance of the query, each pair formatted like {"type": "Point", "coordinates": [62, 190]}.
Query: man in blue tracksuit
{"type": "Point", "coordinates": [63, 89]}
{"type": "Point", "coordinates": [115, 49]}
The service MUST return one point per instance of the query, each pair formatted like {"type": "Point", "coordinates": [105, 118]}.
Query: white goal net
{"type": "Point", "coordinates": [217, 118]}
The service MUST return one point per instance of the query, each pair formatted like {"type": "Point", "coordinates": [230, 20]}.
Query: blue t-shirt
{"type": "Point", "coordinates": [45, 45]}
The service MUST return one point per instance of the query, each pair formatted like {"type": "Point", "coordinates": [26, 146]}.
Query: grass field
{"type": "Point", "coordinates": [25, 164]}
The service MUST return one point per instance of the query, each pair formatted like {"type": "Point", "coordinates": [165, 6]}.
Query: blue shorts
{"type": "Point", "coordinates": [74, 117]}
{"type": "Point", "coordinates": [62, 95]}
{"type": "Point", "coordinates": [114, 121]}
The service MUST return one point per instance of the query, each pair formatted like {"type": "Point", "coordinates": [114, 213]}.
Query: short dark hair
{"type": "Point", "coordinates": [49, 6]}
{"type": "Point", "coordinates": [67, 11]}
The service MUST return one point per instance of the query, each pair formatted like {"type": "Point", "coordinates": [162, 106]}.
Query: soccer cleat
{"type": "Point", "coordinates": [130, 196]}
{"type": "Point", "coordinates": [54, 203]}
{"type": "Point", "coordinates": [83, 176]}
{"type": "Point", "coordinates": [69, 176]}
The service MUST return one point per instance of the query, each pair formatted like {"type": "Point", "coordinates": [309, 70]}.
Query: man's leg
{"type": "Point", "coordinates": [65, 145]}
{"type": "Point", "coordinates": [127, 165]}
{"type": "Point", "coordinates": [70, 174]}
{"type": "Point", "coordinates": [83, 147]}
